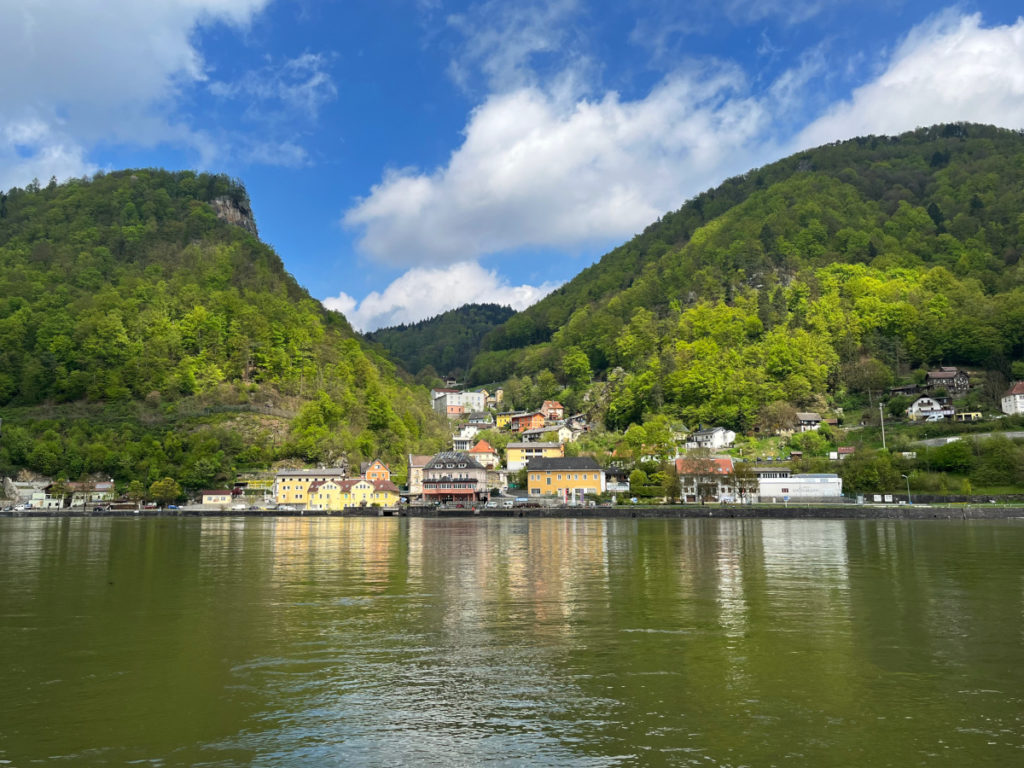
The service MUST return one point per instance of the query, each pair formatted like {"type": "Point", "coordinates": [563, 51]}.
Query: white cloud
{"type": "Point", "coordinates": [503, 40]}
{"type": "Point", "coordinates": [539, 169]}
{"type": "Point", "coordinates": [423, 292]}
{"type": "Point", "coordinates": [947, 69]}
{"type": "Point", "coordinates": [300, 84]}
{"type": "Point", "coordinates": [81, 73]}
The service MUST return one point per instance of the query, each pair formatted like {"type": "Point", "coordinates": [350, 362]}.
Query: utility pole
{"type": "Point", "coordinates": [881, 416]}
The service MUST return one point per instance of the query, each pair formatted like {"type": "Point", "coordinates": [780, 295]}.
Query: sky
{"type": "Point", "coordinates": [405, 157]}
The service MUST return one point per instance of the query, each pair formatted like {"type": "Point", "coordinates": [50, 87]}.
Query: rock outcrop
{"type": "Point", "coordinates": [237, 213]}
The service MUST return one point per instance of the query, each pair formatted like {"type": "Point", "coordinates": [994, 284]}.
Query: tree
{"type": "Point", "coordinates": [136, 491]}
{"type": "Point", "coordinates": [576, 367]}
{"type": "Point", "coordinates": [671, 487]}
{"type": "Point", "coordinates": [744, 479]}
{"type": "Point", "coordinates": [777, 416]}
{"type": "Point", "coordinates": [165, 491]}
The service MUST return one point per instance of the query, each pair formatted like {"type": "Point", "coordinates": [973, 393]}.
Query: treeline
{"type": "Point", "coordinates": [826, 272]}
{"type": "Point", "coordinates": [127, 290]}
{"type": "Point", "coordinates": [445, 344]}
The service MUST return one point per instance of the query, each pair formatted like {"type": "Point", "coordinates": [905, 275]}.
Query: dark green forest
{"type": "Point", "coordinates": [445, 344]}
{"type": "Point", "coordinates": [836, 270]}
{"type": "Point", "coordinates": [141, 336]}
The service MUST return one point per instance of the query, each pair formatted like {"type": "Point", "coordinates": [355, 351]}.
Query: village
{"type": "Point", "coordinates": [535, 461]}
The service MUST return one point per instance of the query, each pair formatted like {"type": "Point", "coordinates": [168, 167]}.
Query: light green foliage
{"type": "Point", "coordinates": [143, 321]}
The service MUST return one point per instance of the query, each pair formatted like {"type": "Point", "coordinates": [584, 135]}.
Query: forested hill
{"type": "Point", "coordinates": [877, 253]}
{"type": "Point", "coordinates": [140, 314]}
{"type": "Point", "coordinates": [445, 344]}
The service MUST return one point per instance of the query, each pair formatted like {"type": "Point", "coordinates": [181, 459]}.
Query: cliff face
{"type": "Point", "coordinates": [237, 213]}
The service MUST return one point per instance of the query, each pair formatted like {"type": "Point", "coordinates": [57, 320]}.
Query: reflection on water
{"type": "Point", "coordinates": [381, 641]}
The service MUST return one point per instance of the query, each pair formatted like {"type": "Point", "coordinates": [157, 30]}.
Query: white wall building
{"type": "Point", "coordinates": [799, 487]}
{"type": "Point", "coordinates": [924, 407]}
{"type": "Point", "coordinates": [1013, 401]}
{"type": "Point", "coordinates": [713, 439]}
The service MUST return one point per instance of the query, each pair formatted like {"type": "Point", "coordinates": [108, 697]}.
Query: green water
{"type": "Point", "coordinates": [388, 642]}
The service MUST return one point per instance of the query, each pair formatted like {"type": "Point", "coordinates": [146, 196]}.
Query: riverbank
{"type": "Point", "coordinates": [748, 511]}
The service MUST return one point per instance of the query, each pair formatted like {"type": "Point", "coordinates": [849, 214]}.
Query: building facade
{"type": "Point", "coordinates": [572, 479]}
{"type": "Point", "coordinates": [454, 476]}
{"type": "Point", "coordinates": [1013, 401]}
{"type": "Point", "coordinates": [291, 486]}
{"type": "Point", "coordinates": [518, 455]}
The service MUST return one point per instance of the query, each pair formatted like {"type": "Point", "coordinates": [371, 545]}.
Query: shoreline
{"type": "Point", "coordinates": [681, 511]}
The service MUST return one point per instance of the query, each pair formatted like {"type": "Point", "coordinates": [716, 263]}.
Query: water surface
{"type": "Point", "coordinates": [386, 642]}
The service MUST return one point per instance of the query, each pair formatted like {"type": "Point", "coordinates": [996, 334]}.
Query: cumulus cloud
{"type": "Point", "coordinates": [947, 69]}
{"type": "Point", "coordinates": [424, 292]}
{"type": "Point", "coordinates": [90, 72]}
{"type": "Point", "coordinates": [537, 169]}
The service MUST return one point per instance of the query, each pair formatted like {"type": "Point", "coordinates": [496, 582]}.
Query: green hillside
{"type": "Point", "coordinates": [831, 271]}
{"type": "Point", "coordinates": [142, 335]}
{"type": "Point", "coordinates": [445, 344]}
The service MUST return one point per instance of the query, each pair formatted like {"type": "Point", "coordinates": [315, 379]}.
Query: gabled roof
{"type": "Point", "coordinates": [808, 416]}
{"type": "Point", "coordinates": [482, 447]}
{"type": "Point", "coordinates": [385, 485]}
{"type": "Point", "coordinates": [419, 459]}
{"type": "Point", "coordinates": [460, 459]}
{"type": "Point", "coordinates": [718, 466]}
{"type": "Point", "coordinates": [1016, 389]}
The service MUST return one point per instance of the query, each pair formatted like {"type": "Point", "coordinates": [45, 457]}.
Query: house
{"type": "Point", "coordinates": [360, 492]}
{"type": "Point", "coordinates": [218, 498]}
{"type": "Point", "coordinates": [713, 439]}
{"type": "Point", "coordinates": [463, 439]}
{"type": "Point", "coordinates": [564, 434]}
{"type": "Point", "coordinates": [291, 486]}
{"type": "Point", "coordinates": [518, 455]}
{"type": "Point", "coordinates": [1013, 400]}
{"type": "Point", "coordinates": [929, 408]}
{"type": "Point", "coordinates": [571, 479]}
{"type": "Point", "coordinates": [949, 378]}
{"type": "Point", "coordinates": [824, 487]}
{"type": "Point", "coordinates": [416, 464]}
{"type": "Point", "coordinates": [375, 470]}
{"type": "Point", "coordinates": [454, 404]}
{"type": "Point", "coordinates": [842, 452]}
{"type": "Point", "coordinates": [552, 410]}
{"type": "Point", "coordinates": [481, 419]}
{"type": "Point", "coordinates": [807, 422]}
{"type": "Point", "coordinates": [58, 495]}
{"type": "Point", "coordinates": [707, 479]}
{"type": "Point", "coordinates": [524, 421]}
{"type": "Point", "coordinates": [502, 420]}
{"type": "Point", "coordinates": [324, 495]}
{"type": "Point", "coordinates": [485, 455]}
{"type": "Point", "coordinates": [454, 476]}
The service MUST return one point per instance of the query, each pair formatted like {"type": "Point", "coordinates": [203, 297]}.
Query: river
{"type": "Point", "coordinates": [534, 642]}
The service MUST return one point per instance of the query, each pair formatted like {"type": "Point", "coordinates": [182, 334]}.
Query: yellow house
{"type": "Point", "coordinates": [518, 455]}
{"type": "Point", "coordinates": [502, 420]}
{"type": "Point", "coordinates": [216, 498]}
{"type": "Point", "coordinates": [361, 492]}
{"type": "Point", "coordinates": [377, 470]}
{"type": "Point", "coordinates": [571, 479]}
{"type": "Point", "coordinates": [323, 495]}
{"type": "Point", "coordinates": [291, 486]}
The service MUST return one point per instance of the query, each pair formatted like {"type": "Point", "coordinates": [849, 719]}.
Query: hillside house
{"type": "Point", "coordinates": [518, 455]}
{"type": "Point", "coordinates": [929, 408]}
{"type": "Point", "coordinates": [953, 380]}
{"type": "Point", "coordinates": [552, 410]}
{"type": "Point", "coordinates": [1013, 401]}
{"type": "Point", "coordinates": [524, 421]}
{"type": "Point", "coordinates": [485, 454]}
{"type": "Point", "coordinates": [375, 470]}
{"type": "Point", "coordinates": [807, 421]}
{"type": "Point", "coordinates": [713, 439]}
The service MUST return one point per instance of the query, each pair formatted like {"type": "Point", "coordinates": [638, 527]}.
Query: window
{"type": "Point", "coordinates": [549, 480]}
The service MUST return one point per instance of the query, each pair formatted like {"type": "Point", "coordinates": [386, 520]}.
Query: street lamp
{"type": "Point", "coordinates": [881, 418]}
{"type": "Point", "coordinates": [909, 500]}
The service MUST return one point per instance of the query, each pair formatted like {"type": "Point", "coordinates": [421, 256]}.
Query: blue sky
{"type": "Point", "coordinates": [407, 156]}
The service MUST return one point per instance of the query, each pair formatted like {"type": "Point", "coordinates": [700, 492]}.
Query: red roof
{"type": "Point", "coordinates": [1017, 389]}
{"type": "Point", "coordinates": [721, 466]}
{"type": "Point", "coordinates": [385, 485]}
{"type": "Point", "coordinates": [482, 447]}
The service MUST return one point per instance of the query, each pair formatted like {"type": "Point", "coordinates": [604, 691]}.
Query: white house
{"type": "Point", "coordinates": [806, 422]}
{"type": "Point", "coordinates": [1013, 401]}
{"type": "Point", "coordinates": [465, 438]}
{"type": "Point", "coordinates": [713, 439]}
{"type": "Point", "coordinates": [799, 487]}
{"type": "Point", "coordinates": [929, 407]}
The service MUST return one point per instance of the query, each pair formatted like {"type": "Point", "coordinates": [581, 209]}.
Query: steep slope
{"type": "Point", "coordinates": [903, 251]}
{"type": "Point", "coordinates": [446, 343]}
{"type": "Point", "coordinates": [146, 331]}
